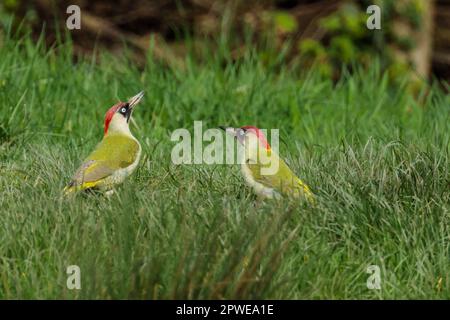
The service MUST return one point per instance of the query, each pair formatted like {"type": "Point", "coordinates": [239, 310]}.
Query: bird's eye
{"type": "Point", "coordinates": [123, 110]}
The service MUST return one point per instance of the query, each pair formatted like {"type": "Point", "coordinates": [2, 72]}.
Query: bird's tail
{"type": "Point", "coordinates": [68, 190]}
{"type": "Point", "coordinates": [307, 192]}
{"type": "Point", "coordinates": [74, 187]}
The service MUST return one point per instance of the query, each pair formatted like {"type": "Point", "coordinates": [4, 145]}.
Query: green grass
{"type": "Point", "coordinates": [377, 160]}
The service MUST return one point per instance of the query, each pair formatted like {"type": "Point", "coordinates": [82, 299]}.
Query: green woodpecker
{"type": "Point", "coordinates": [263, 169]}
{"type": "Point", "coordinates": [115, 157]}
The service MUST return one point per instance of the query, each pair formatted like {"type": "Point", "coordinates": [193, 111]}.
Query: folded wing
{"type": "Point", "coordinates": [283, 180]}
{"type": "Point", "coordinates": [111, 154]}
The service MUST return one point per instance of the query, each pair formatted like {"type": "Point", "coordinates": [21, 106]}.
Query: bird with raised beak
{"type": "Point", "coordinates": [263, 169]}
{"type": "Point", "coordinates": [115, 157]}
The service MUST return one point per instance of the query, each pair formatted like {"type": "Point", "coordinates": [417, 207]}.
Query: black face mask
{"type": "Point", "coordinates": [126, 111]}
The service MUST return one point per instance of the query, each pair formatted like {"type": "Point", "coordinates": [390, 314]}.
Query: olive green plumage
{"type": "Point", "coordinates": [103, 167]}
{"type": "Point", "coordinates": [115, 157]}
{"type": "Point", "coordinates": [263, 169]}
{"type": "Point", "coordinates": [283, 180]}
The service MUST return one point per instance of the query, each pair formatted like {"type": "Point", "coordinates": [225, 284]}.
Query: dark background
{"type": "Point", "coordinates": [327, 34]}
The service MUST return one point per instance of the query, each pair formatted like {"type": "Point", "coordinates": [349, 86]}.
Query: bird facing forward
{"type": "Point", "coordinates": [258, 159]}
{"type": "Point", "coordinates": [115, 157]}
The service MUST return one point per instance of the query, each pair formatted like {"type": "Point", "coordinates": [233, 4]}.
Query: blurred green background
{"type": "Point", "coordinates": [413, 39]}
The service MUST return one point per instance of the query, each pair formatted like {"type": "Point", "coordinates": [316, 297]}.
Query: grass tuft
{"type": "Point", "coordinates": [376, 159]}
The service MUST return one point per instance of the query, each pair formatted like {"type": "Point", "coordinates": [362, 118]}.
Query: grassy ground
{"type": "Point", "coordinates": [377, 161]}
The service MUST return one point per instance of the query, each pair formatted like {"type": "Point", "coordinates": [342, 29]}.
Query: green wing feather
{"type": "Point", "coordinates": [114, 152]}
{"type": "Point", "coordinates": [283, 180]}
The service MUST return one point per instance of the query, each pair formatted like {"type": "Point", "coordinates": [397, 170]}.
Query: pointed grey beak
{"type": "Point", "coordinates": [135, 100]}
